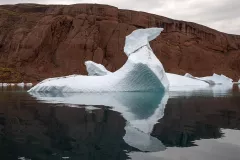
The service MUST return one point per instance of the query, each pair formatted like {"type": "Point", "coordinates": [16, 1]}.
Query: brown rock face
{"type": "Point", "coordinates": [41, 41]}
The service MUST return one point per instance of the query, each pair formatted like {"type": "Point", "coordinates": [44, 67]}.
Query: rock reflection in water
{"type": "Point", "coordinates": [188, 119]}
{"type": "Point", "coordinates": [56, 126]}
{"type": "Point", "coordinates": [48, 131]}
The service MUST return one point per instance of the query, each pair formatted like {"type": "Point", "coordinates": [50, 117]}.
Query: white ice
{"type": "Point", "coordinates": [95, 69]}
{"type": "Point", "coordinates": [189, 84]}
{"type": "Point", "coordinates": [215, 79]}
{"type": "Point", "coordinates": [20, 84]}
{"type": "Point", "coordinates": [142, 71]}
{"type": "Point", "coordinates": [5, 84]}
{"type": "Point", "coordinates": [175, 81]}
{"type": "Point", "coordinates": [178, 81]}
{"type": "Point", "coordinates": [29, 84]}
{"type": "Point", "coordinates": [209, 81]}
{"type": "Point", "coordinates": [218, 79]}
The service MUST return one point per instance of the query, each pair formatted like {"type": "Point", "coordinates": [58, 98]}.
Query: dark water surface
{"type": "Point", "coordinates": [199, 125]}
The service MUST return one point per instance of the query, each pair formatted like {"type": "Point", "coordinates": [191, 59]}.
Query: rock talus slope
{"type": "Point", "coordinates": [42, 41]}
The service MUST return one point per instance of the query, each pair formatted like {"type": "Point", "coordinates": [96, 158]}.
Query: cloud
{"type": "Point", "coordinates": [223, 15]}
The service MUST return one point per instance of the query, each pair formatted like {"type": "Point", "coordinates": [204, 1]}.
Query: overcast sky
{"type": "Point", "coordinates": [223, 15]}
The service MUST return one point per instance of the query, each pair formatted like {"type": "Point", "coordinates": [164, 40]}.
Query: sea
{"type": "Point", "coordinates": [174, 125]}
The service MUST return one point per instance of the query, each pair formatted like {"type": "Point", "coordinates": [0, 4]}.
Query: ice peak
{"type": "Point", "coordinates": [140, 38]}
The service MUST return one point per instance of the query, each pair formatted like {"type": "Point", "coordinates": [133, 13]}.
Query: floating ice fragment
{"type": "Point", "coordinates": [20, 84]}
{"type": "Point", "coordinates": [5, 84]}
{"type": "Point", "coordinates": [29, 84]}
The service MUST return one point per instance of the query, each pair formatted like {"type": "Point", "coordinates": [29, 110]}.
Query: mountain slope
{"type": "Point", "coordinates": [41, 41]}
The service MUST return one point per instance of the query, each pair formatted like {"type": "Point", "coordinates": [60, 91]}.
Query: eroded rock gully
{"type": "Point", "coordinates": [41, 41]}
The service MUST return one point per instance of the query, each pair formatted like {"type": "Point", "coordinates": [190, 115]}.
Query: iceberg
{"type": "Point", "coordinates": [142, 71]}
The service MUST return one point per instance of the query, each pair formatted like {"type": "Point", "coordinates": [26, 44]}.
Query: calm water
{"type": "Point", "coordinates": [192, 125]}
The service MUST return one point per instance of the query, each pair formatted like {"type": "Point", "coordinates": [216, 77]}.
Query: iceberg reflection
{"type": "Point", "coordinates": [141, 110]}
{"type": "Point", "coordinates": [212, 91]}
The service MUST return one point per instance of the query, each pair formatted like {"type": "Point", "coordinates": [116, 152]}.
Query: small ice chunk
{"type": "Point", "coordinates": [20, 84]}
{"type": "Point", "coordinates": [5, 84]}
{"type": "Point", "coordinates": [178, 80]}
{"type": "Point", "coordinates": [29, 84]}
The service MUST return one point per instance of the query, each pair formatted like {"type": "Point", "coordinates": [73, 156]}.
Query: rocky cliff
{"type": "Point", "coordinates": [40, 41]}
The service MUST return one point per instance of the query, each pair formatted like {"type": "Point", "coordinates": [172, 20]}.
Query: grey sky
{"type": "Point", "coordinates": [223, 15]}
